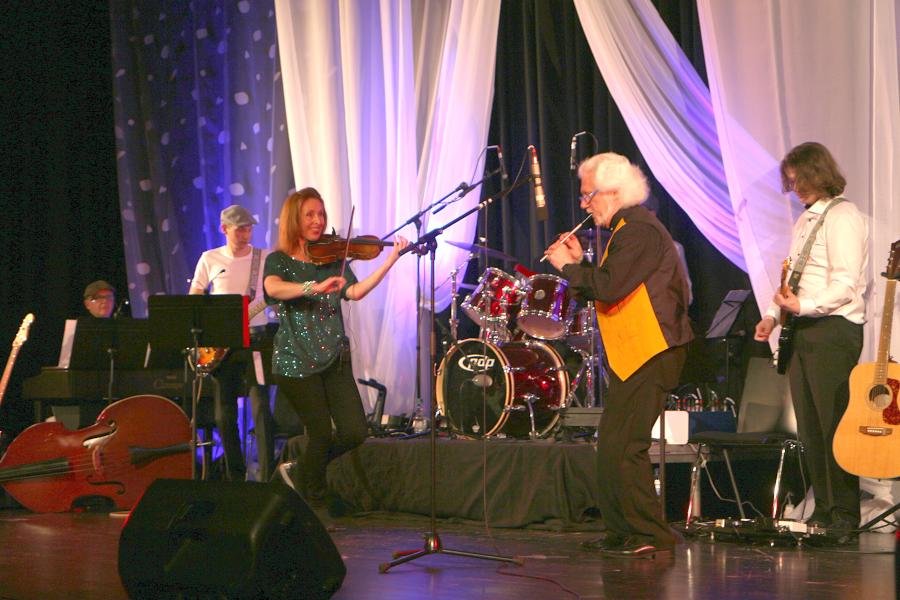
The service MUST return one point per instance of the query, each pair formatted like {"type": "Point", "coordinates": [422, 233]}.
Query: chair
{"type": "Point", "coordinates": [765, 423]}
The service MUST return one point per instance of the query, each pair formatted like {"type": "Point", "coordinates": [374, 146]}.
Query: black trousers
{"type": "Point", "coordinates": [628, 501]}
{"type": "Point", "coordinates": [231, 378]}
{"type": "Point", "coordinates": [322, 399]}
{"type": "Point", "coordinates": [825, 351]}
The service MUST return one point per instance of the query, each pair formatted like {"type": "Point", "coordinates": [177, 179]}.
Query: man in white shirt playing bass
{"type": "Point", "coordinates": [236, 268]}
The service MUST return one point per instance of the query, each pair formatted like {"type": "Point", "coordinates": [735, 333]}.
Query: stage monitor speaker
{"type": "Point", "coordinates": [204, 539]}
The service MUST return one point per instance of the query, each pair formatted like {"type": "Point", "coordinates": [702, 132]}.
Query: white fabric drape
{"type": "Point", "coordinates": [782, 73]}
{"type": "Point", "coordinates": [388, 108]}
{"type": "Point", "coordinates": [667, 109]}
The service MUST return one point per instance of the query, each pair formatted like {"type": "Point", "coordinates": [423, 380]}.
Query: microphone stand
{"type": "Point", "coordinates": [433, 545]}
{"type": "Point", "coordinates": [463, 188]}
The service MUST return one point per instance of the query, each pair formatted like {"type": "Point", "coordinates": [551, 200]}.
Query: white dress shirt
{"type": "Point", "coordinates": [834, 281]}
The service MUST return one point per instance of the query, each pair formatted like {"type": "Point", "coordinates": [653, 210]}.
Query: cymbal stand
{"type": "Point", "coordinates": [433, 544]}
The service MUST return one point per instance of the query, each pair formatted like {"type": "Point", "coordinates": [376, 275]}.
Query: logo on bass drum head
{"type": "Point", "coordinates": [476, 362]}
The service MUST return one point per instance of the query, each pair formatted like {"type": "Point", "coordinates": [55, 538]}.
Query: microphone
{"type": "Point", "coordinates": [213, 278]}
{"type": "Point", "coordinates": [463, 188]}
{"type": "Point", "coordinates": [504, 175]}
{"type": "Point", "coordinates": [540, 202]}
{"type": "Point", "coordinates": [574, 147]}
{"type": "Point", "coordinates": [119, 308]}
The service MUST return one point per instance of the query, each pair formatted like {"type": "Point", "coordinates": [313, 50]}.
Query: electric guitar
{"type": "Point", "coordinates": [864, 442]}
{"type": "Point", "coordinates": [206, 359]}
{"type": "Point", "coordinates": [786, 337]}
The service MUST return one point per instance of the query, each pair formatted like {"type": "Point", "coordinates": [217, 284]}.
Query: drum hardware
{"type": "Point", "coordinates": [529, 406]}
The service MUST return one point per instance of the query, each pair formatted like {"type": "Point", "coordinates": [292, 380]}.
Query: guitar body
{"type": "Point", "coordinates": [873, 454]}
{"type": "Point", "coordinates": [867, 440]}
{"type": "Point", "coordinates": [208, 358]}
{"type": "Point", "coordinates": [134, 442]}
{"type": "Point", "coordinates": [785, 344]}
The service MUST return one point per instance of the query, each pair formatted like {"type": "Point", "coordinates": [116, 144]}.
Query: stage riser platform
{"type": "Point", "coordinates": [525, 482]}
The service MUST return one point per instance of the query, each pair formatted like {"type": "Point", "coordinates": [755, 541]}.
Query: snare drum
{"type": "Point", "coordinates": [484, 389]}
{"type": "Point", "coordinates": [547, 307]}
{"type": "Point", "coordinates": [494, 298]}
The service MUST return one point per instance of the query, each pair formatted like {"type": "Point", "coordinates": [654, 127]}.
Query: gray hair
{"type": "Point", "coordinates": [611, 171]}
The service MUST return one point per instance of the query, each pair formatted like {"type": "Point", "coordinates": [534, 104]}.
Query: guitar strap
{"type": "Point", "coordinates": [807, 247]}
{"type": "Point", "coordinates": [254, 273]}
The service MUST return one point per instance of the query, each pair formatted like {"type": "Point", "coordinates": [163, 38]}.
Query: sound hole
{"type": "Point", "coordinates": [880, 396]}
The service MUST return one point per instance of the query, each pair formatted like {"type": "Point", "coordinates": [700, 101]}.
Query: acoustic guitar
{"type": "Point", "coordinates": [207, 358]}
{"type": "Point", "coordinates": [786, 337]}
{"type": "Point", "coordinates": [867, 439]}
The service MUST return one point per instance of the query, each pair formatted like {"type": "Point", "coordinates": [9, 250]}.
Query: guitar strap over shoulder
{"type": "Point", "coordinates": [807, 247]}
{"type": "Point", "coordinates": [254, 273]}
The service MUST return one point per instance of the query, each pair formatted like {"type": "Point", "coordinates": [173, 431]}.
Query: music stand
{"type": "Point", "coordinates": [108, 344]}
{"type": "Point", "coordinates": [195, 321]}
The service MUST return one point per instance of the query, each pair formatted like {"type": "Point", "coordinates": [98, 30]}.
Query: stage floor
{"type": "Point", "coordinates": [69, 556]}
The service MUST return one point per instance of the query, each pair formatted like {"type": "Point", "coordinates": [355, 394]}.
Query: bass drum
{"type": "Point", "coordinates": [485, 389]}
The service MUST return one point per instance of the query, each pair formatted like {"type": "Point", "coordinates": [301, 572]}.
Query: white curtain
{"type": "Point", "coordinates": [667, 109]}
{"type": "Point", "coordinates": [388, 108]}
{"type": "Point", "coordinates": [782, 73]}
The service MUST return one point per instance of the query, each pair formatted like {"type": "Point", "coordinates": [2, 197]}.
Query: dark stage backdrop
{"type": "Point", "coordinates": [58, 187]}
{"type": "Point", "coordinates": [61, 227]}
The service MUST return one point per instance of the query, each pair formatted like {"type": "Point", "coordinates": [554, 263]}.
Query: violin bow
{"type": "Point", "coordinates": [347, 247]}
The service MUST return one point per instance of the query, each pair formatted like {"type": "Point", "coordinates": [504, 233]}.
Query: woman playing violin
{"type": "Point", "coordinates": [311, 359]}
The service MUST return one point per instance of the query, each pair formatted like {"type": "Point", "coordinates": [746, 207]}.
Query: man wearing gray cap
{"type": "Point", "coordinates": [236, 268]}
{"type": "Point", "coordinates": [100, 299]}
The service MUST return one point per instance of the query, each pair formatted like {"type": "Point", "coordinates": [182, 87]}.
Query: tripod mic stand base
{"type": "Point", "coordinates": [433, 546]}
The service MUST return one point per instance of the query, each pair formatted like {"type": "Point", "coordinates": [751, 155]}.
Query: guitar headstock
{"type": "Point", "coordinates": [893, 264]}
{"type": "Point", "coordinates": [22, 334]}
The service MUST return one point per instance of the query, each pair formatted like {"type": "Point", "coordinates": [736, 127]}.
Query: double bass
{"type": "Point", "coordinates": [134, 441]}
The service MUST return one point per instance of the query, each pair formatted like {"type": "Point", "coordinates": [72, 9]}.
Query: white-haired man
{"type": "Point", "coordinates": [641, 294]}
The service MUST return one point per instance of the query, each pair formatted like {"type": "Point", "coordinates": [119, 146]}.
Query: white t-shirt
{"type": "Point", "coordinates": [234, 278]}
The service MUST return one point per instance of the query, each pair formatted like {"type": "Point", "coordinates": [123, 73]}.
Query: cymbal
{"type": "Point", "coordinates": [478, 249]}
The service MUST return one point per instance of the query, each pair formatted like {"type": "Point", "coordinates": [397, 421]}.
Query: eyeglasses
{"type": "Point", "coordinates": [586, 198]}
{"type": "Point", "coordinates": [102, 297]}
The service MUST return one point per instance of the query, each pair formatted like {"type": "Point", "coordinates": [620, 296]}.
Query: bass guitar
{"type": "Point", "coordinates": [207, 358]}
{"type": "Point", "coordinates": [864, 442]}
{"type": "Point", "coordinates": [786, 337]}
{"type": "Point", "coordinates": [134, 442]}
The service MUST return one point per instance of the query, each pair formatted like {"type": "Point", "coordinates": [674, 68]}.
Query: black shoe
{"type": "Point", "coordinates": [605, 542]}
{"type": "Point", "coordinates": [635, 548]}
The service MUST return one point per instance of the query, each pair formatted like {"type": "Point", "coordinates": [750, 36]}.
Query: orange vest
{"type": "Point", "coordinates": [630, 330]}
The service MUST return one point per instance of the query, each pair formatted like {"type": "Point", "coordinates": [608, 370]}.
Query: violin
{"type": "Point", "coordinates": [330, 248]}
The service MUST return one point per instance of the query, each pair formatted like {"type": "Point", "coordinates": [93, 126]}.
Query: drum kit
{"type": "Point", "coordinates": [512, 380]}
